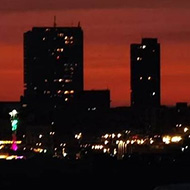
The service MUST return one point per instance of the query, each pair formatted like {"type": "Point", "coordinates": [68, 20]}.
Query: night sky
{"type": "Point", "coordinates": [109, 26]}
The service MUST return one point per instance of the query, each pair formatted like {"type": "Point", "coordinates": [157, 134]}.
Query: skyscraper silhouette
{"type": "Point", "coordinates": [53, 65]}
{"type": "Point", "coordinates": [145, 73]}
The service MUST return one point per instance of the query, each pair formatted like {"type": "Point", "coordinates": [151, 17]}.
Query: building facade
{"type": "Point", "coordinates": [145, 73]}
{"type": "Point", "coordinates": [53, 65]}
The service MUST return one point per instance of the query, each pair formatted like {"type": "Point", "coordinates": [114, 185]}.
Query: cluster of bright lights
{"type": "Point", "coordinates": [40, 150]}
{"type": "Point", "coordinates": [11, 157]}
{"type": "Point", "coordinates": [113, 135]}
{"type": "Point", "coordinates": [78, 136]}
{"type": "Point", "coordinates": [117, 143]}
{"type": "Point", "coordinates": [9, 142]}
{"type": "Point", "coordinates": [171, 139]}
{"type": "Point", "coordinates": [97, 147]}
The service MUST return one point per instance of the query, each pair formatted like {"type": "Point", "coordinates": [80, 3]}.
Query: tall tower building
{"type": "Point", "coordinates": [145, 73]}
{"type": "Point", "coordinates": [53, 65]}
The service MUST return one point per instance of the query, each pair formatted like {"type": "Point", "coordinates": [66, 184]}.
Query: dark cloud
{"type": "Point", "coordinates": [36, 5]}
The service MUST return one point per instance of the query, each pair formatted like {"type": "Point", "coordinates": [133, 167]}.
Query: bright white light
{"type": "Point", "coordinates": [106, 142]}
{"type": "Point", "coordinates": [139, 58]}
{"type": "Point", "coordinates": [168, 139]}
{"type": "Point", "coordinates": [185, 129]}
{"type": "Point", "coordinates": [176, 139]}
{"type": "Point", "coordinates": [13, 113]}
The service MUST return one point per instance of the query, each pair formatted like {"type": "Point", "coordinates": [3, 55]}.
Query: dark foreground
{"type": "Point", "coordinates": [97, 172]}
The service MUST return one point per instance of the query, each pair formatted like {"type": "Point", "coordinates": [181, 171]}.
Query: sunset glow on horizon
{"type": "Point", "coordinates": [108, 32]}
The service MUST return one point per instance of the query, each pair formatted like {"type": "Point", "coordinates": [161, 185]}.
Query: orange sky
{"type": "Point", "coordinates": [109, 29]}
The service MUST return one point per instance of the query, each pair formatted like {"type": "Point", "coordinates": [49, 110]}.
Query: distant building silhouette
{"type": "Point", "coordinates": [145, 73]}
{"type": "Point", "coordinates": [53, 65]}
{"type": "Point", "coordinates": [93, 100]}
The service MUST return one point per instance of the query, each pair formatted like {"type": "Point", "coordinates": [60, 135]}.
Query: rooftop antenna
{"type": "Point", "coordinates": [54, 23]}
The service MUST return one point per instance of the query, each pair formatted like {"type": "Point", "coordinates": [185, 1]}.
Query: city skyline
{"type": "Point", "coordinates": [109, 29]}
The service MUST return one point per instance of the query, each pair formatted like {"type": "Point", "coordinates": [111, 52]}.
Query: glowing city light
{"type": "Point", "coordinates": [14, 125]}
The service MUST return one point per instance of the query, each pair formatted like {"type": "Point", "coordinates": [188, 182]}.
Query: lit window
{"type": "Point", "coordinates": [66, 99]}
{"type": "Point", "coordinates": [66, 37]}
{"type": "Point", "coordinates": [154, 93]}
{"type": "Point", "coordinates": [58, 57]}
{"type": "Point", "coordinates": [68, 80]}
{"type": "Point", "coordinates": [143, 46]}
{"type": "Point", "coordinates": [60, 34]}
{"type": "Point", "coordinates": [139, 58]}
{"type": "Point", "coordinates": [66, 42]}
{"type": "Point", "coordinates": [61, 80]}
{"type": "Point", "coordinates": [140, 78]}
{"type": "Point", "coordinates": [71, 38]}
{"type": "Point", "coordinates": [44, 38]}
{"type": "Point", "coordinates": [149, 78]}
{"type": "Point", "coordinates": [59, 49]}
{"type": "Point", "coordinates": [72, 91]}
{"type": "Point", "coordinates": [66, 92]}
